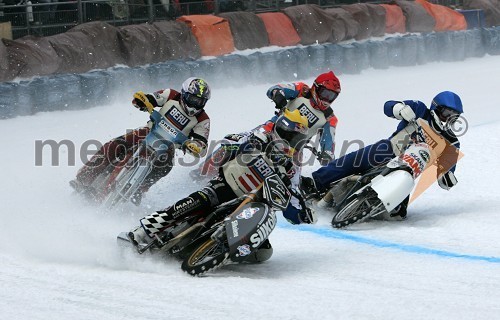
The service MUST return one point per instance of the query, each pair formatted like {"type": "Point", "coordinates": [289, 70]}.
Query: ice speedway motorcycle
{"type": "Point", "coordinates": [123, 177]}
{"type": "Point", "coordinates": [230, 234]}
{"type": "Point", "coordinates": [380, 190]}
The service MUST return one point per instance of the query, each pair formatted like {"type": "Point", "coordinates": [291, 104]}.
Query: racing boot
{"type": "Point", "coordinates": [308, 186]}
{"type": "Point", "coordinates": [138, 236]}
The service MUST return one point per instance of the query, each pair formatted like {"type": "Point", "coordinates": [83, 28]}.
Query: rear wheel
{"type": "Point", "coordinates": [357, 208]}
{"type": "Point", "coordinates": [208, 256]}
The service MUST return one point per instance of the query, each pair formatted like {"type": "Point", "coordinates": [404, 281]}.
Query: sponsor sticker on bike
{"type": "Point", "coordinates": [247, 213]}
{"type": "Point", "coordinates": [244, 250]}
{"type": "Point", "coordinates": [165, 126]}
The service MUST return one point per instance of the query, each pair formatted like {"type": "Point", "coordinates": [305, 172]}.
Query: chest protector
{"type": "Point", "coordinates": [177, 119]}
{"type": "Point", "coordinates": [315, 118]}
{"type": "Point", "coordinates": [246, 172]}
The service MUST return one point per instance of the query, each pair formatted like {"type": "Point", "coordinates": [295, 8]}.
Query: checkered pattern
{"type": "Point", "coordinates": [155, 222]}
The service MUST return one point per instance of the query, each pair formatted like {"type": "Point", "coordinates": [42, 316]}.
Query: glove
{"type": "Point", "coordinates": [308, 186]}
{"type": "Point", "coordinates": [192, 147]}
{"type": "Point", "coordinates": [308, 215]}
{"type": "Point", "coordinates": [279, 99]}
{"type": "Point", "coordinates": [325, 157]}
{"type": "Point", "coordinates": [257, 139]}
{"type": "Point", "coordinates": [142, 101]}
{"type": "Point", "coordinates": [233, 137]}
{"type": "Point", "coordinates": [402, 111]}
{"type": "Point", "coordinates": [447, 180]}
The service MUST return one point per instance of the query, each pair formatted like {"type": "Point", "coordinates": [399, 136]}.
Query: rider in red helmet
{"type": "Point", "coordinates": [325, 90]}
{"type": "Point", "coordinates": [313, 102]}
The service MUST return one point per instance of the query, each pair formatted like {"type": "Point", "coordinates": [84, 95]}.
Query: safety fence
{"type": "Point", "coordinates": [86, 90]}
{"type": "Point", "coordinates": [49, 17]}
{"type": "Point", "coordinates": [99, 45]}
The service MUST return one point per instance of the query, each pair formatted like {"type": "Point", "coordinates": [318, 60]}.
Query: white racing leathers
{"type": "Point", "coordinates": [319, 122]}
{"type": "Point", "coordinates": [247, 171]}
{"type": "Point", "coordinates": [195, 127]}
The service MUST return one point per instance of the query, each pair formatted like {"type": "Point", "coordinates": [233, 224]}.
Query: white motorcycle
{"type": "Point", "coordinates": [377, 192]}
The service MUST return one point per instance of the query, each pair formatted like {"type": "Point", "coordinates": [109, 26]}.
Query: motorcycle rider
{"type": "Point", "coordinates": [313, 102]}
{"type": "Point", "coordinates": [185, 110]}
{"type": "Point", "coordinates": [445, 108]}
{"type": "Point", "coordinates": [264, 153]}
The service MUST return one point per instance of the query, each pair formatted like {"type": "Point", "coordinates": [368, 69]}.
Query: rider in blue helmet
{"type": "Point", "coordinates": [445, 109]}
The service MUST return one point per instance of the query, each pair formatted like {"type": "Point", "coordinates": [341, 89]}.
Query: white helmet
{"type": "Point", "coordinates": [195, 93]}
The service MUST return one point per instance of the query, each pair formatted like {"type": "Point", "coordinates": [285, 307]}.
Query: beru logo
{"type": "Point", "coordinates": [262, 167]}
{"type": "Point", "coordinates": [177, 118]}
{"type": "Point", "coordinates": [311, 117]}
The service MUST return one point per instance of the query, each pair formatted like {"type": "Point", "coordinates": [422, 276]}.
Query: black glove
{"type": "Point", "coordinates": [234, 137]}
{"type": "Point", "coordinates": [279, 99]}
{"type": "Point", "coordinates": [447, 180]}
{"type": "Point", "coordinates": [143, 101]}
{"type": "Point", "coordinates": [257, 140]}
{"type": "Point", "coordinates": [308, 215]}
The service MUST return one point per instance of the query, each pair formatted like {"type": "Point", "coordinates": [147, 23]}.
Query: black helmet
{"type": "Point", "coordinates": [195, 93]}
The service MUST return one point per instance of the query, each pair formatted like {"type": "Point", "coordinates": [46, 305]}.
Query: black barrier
{"type": "Point", "coordinates": [378, 55]}
{"type": "Point", "coordinates": [9, 101]}
{"type": "Point", "coordinates": [235, 67]}
{"type": "Point", "coordinates": [80, 91]}
{"type": "Point", "coordinates": [473, 44]}
{"type": "Point", "coordinates": [318, 61]}
{"type": "Point", "coordinates": [423, 52]}
{"type": "Point", "coordinates": [431, 46]}
{"type": "Point", "coordinates": [335, 58]}
{"type": "Point", "coordinates": [94, 88]}
{"type": "Point", "coordinates": [491, 40]}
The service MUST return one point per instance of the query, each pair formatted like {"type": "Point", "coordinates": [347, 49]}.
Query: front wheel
{"type": "Point", "coordinates": [208, 256]}
{"type": "Point", "coordinates": [357, 208]}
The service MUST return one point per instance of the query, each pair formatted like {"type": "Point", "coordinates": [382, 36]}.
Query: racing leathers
{"type": "Point", "coordinates": [298, 96]}
{"type": "Point", "coordinates": [195, 128]}
{"type": "Point", "coordinates": [386, 149]}
{"type": "Point", "coordinates": [256, 160]}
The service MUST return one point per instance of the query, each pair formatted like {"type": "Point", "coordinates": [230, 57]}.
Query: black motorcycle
{"type": "Point", "coordinates": [230, 234]}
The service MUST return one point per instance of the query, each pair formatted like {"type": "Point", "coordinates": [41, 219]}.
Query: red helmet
{"type": "Point", "coordinates": [325, 90]}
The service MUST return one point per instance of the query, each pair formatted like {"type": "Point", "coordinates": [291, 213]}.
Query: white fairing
{"type": "Point", "coordinates": [393, 188]}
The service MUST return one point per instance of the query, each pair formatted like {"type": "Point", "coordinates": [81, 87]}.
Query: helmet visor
{"type": "Point", "coordinates": [446, 114]}
{"type": "Point", "coordinates": [194, 102]}
{"type": "Point", "coordinates": [326, 94]}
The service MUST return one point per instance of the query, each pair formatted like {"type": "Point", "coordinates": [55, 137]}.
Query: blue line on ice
{"type": "Point", "coordinates": [332, 233]}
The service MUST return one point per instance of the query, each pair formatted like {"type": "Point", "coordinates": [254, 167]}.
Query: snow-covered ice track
{"type": "Point", "coordinates": [345, 235]}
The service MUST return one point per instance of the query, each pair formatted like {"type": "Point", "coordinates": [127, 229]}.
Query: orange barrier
{"type": "Point", "coordinates": [446, 19]}
{"type": "Point", "coordinates": [395, 21]}
{"type": "Point", "coordinates": [213, 34]}
{"type": "Point", "coordinates": [279, 29]}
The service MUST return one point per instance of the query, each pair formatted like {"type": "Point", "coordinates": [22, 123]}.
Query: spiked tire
{"type": "Point", "coordinates": [208, 256]}
{"type": "Point", "coordinates": [357, 208]}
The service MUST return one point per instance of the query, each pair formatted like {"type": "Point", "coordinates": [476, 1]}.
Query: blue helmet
{"type": "Point", "coordinates": [447, 99]}
{"type": "Point", "coordinates": [445, 108]}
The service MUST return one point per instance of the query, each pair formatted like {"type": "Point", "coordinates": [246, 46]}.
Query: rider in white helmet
{"type": "Point", "coordinates": [185, 110]}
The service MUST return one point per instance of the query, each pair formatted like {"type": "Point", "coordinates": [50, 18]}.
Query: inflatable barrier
{"type": "Point", "coordinates": [81, 91]}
